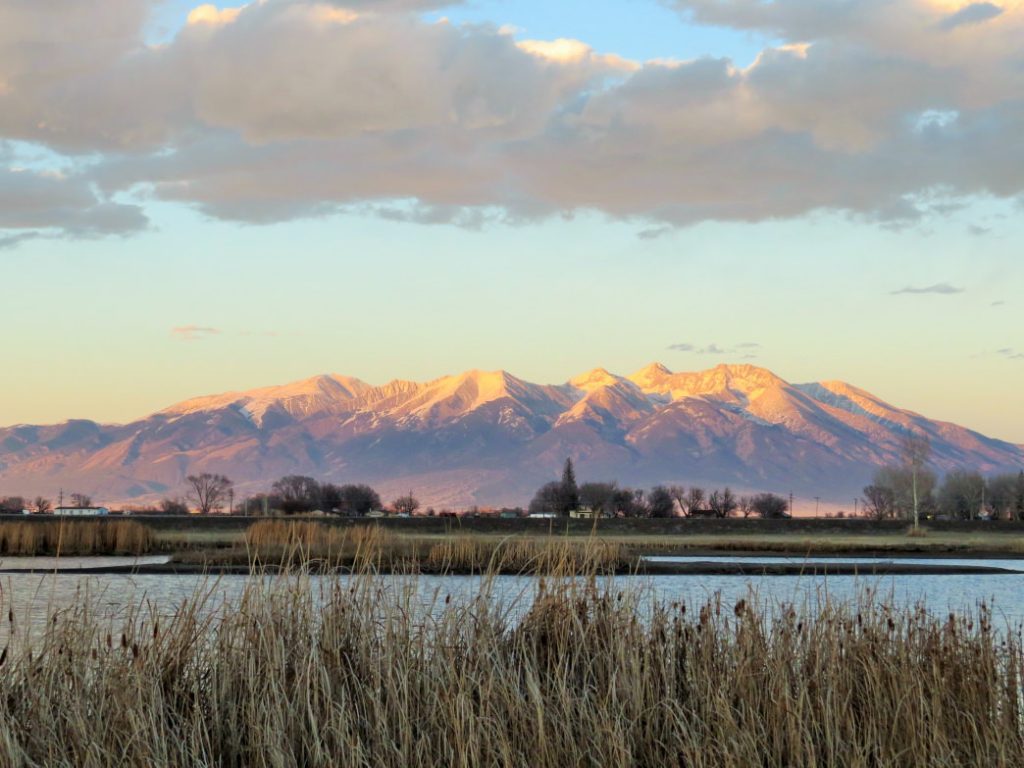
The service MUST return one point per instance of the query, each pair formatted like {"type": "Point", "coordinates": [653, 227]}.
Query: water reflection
{"type": "Point", "coordinates": [31, 598]}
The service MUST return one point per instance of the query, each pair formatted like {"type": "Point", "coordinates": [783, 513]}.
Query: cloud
{"type": "Point", "coordinates": [193, 332]}
{"type": "Point", "coordinates": [975, 13]}
{"type": "Point", "coordinates": [1010, 353]}
{"type": "Point", "coordinates": [36, 204]}
{"type": "Point", "coordinates": [944, 289]}
{"type": "Point", "coordinates": [745, 349]}
{"type": "Point", "coordinates": [653, 233]}
{"type": "Point", "coordinates": [999, 303]}
{"type": "Point", "coordinates": [712, 349]}
{"type": "Point", "coordinates": [211, 14]}
{"type": "Point", "coordinates": [283, 109]}
{"type": "Point", "coordinates": [13, 241]}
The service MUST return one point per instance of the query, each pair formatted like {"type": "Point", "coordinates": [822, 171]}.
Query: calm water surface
{"type": "Point", "coordinates": [34, 597]}
{"type": "Point", "coordinates": [1014, 564]}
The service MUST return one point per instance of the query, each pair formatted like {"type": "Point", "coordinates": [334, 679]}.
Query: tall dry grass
{"type": "Point", "coordinates": [61, 536]}
{"type": "Point", "coordinates": [302, 543]}
{"type": "Point", "coordinates": [550, 555]}
{"type": "Point", "coordinates": [357, 672]}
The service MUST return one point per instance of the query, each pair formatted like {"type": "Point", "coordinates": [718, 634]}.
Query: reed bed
{"type": "Point", "coordinates": [524, 555]}
{"type": "Point", "coordinates": [301, 542]}
{"type": "Point", "coordinates": [360, 672]}
{"type": "Point", "coordinates": [61, 536]}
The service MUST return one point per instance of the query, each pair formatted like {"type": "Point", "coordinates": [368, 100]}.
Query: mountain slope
{"type": "Point", "coordinates": [490, 438]}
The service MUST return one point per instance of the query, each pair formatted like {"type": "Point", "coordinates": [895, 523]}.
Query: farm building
{"type": "Point", "coordinates": [81, 511]}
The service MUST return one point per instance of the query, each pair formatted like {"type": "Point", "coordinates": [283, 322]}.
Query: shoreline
{"type": "Point", "coordinates": [698, 568]}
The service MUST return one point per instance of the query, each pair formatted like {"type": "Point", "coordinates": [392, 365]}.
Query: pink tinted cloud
{"type": "Point", "coordinates": [193, 332]}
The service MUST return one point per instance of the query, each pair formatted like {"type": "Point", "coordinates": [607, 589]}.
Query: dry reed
{"type": "Point", "coordinates": [524, 555]}
{"type": "Point", "coordinates": [60, 536]}
{"type": "Point", "coordinates": [358, 672]}
{"type": "Point", "coordinates": [301, 543]}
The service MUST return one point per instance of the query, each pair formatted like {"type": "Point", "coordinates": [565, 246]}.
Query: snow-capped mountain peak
{"type": "Point", "coordinates": [490, 437]}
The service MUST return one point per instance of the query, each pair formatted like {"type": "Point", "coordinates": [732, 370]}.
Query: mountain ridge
{"type": "Point", "coordinates": [500, 436]}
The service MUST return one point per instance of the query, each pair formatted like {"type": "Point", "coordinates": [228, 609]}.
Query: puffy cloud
{"type": "Point", "coordinates": [36, 204]}
{"type": "Point", "coordinates": [883, 109]}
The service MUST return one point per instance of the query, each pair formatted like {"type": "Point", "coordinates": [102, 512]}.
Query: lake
{"type": "Point", "coordinates": [33, 597]}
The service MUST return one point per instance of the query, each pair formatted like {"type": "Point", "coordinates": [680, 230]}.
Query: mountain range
{"type": "Point", "coordinates": [490, 438]}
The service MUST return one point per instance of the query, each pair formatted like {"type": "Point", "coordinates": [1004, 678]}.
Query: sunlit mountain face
{"type": "Point", "coordinates": [490, 438]}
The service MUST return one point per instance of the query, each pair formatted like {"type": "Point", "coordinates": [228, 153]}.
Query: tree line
{"type": "Point", "coordinates": [565, 496]}
{"type": "Point", "coordinates": [292, 494]}
{"type": "Point", "coordinates": [911, 489]}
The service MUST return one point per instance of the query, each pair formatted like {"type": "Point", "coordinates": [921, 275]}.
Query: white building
{"type": "Point", "coordinates": [81, 511]}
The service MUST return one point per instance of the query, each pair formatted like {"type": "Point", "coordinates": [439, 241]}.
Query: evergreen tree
{"type": "Point", "coordinates": [1018, 511]}
{"type": "Point", "coordinates": [570, 491]}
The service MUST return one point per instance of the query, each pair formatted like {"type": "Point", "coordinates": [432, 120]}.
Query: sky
{"type": "Point", "coordinates": [199, 198]}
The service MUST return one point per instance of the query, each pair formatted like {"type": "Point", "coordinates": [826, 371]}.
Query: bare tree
{"type": "Point", "coordinates": [405, 505]}
{"type": "Point", "coordinates": [10, 505]}
{"type": "Point", "coordinates": [174, 507]}
{"type": "Point", "coordinates": [297, 493]}
{"type": "Point", "coordinates": [962, 494]}
{"type": "Point", "coordinates": [42, 505]}
{"type": "Point", "coordinates": [915, 451]}
{"type": "Point", "coordinates": [1000, 495]}
{"type": "Point", "coordinates": [678, 493]}
{"type": "Point", "coordinates": [208, 491]}
{"type": "Point", "coordinates": [660, 502]}
{"type": "Point", "coordinates": [879, 502]}
{"type": "Point", "coordinates": [692, 501]}
{"type": "Point", "coordinates": [768, 505]}
{"type": "Point", "coordinates": [722, 503]}
{"type": "Point", "coordinates": [599, 497]}
{"type": "Point", "coordinates": [746, 506]}
{"type": "Point", "coordinates": [81, 500]}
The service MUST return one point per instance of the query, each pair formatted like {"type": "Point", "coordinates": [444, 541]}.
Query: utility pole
{"type": "Point", "coordinates": [855, 506]}
{"type": "Point", "coordinates": [790, 502]}
{"type": "Point", "coordinates": [817, 499]}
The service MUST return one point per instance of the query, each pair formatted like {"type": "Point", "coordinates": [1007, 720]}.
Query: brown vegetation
{"type": "Point", "coordinates": [300, 542]}
{"type": "Point", "coordinates": [557, 555]}
{"type": "Point", "coordinates": [305, 543]}
{"type": "Point", "coordinates": [61, 536]}
{"type": "Point", "coordinates": [359, 672]}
